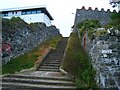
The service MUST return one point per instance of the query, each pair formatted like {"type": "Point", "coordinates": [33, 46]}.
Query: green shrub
{"type": "Point", "coordinates": [89, 26]}
{"type": "Point", "coordinates": [115, 20]}
{"type": "Point", "coordinates": [14, 20]}
{"type": "Point", "coordinates": [78, 63]}
{"type": "Point", "coordinates": [33, 26]}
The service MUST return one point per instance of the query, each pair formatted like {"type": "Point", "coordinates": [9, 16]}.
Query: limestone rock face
{"type": "Point", "coordinates": [19, 37]}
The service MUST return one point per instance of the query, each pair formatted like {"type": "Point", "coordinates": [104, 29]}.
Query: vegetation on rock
{"type": "Point", "coordinates": [89, 26]}
{"type": "Point", "coordinates": [12, 24]}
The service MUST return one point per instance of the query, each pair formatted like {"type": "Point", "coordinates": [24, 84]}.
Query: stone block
{"type": "Point", "coordinates": [117, 74]}
{"type": "Point", "coordinates": [118, 81]}
{"type": "Point", "coordinates": [112, 46]}
{"type": "Point", "coordinates": [109, 82]}
{"type": "Point", "coordinates": [103, 38]}
{"type": "Point", "coordinates": [112, 88]}
{"type": "Point", "coordinates": [113, 38]}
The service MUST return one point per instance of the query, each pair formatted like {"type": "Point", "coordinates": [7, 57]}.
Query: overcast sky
{"type": "Point", "coordinates": [63, 11]}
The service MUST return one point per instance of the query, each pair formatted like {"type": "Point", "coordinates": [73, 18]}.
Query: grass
{"type": "Point", "coordinates": [77, 62]}
{"type": "Point", "coordinates": [30, 59]}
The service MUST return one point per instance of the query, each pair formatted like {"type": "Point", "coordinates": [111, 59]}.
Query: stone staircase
{"type": "Point", "coordinates": [53, 59]}
{"type": "Point", "coordinates": [46, 77]}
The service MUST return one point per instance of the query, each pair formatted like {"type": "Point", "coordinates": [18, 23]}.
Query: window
{"type": "Point", "coordinates": [38, 11]}
{"type": "Point", "coordinates": [23, 12]}
{"type": "Point", "coordinates": [12, 12]}
{"type": "Point", "coordinates": [5, 14]}
{"type": "Point", "coordinates": [29, 12]}
{"type": "Point", "coordinates": [34, 12]}
{"type": "Point", "coordinates": [15, 12]}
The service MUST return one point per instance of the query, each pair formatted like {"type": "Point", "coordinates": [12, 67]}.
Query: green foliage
{"type": "Point", "coordinates": [101, 32]}
{"type": "Point", "coordinates": [115, 15]}
{"type": "Point", "coordinates": [110, 25]}
{"type": "Point", "coordinates": [82, 30]}
{"type": "Point", "coordinates": [28, 60]}
{"type": "Point", "coordinates": [11, 25]}
{"type": "Point", "coordinates": [89, 26]}
{"type": "Point", "coordinates": [91, 34]}
{"type": "Point", "coordinates": [87, 76]}
{"type": "Point", "coordinates": [14, 20]}
{"type": "Point", "coordinates": [77, 62]}
{"type": "Point", "coordinates": [19, 63]}
{"type": "Point", "coordinates": [115, 20]}
{"type": "Point", "coordinates": [33, 25]}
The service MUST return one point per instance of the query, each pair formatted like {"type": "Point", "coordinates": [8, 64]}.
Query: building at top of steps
{"type": "Point", "coordinates": [31, 14]}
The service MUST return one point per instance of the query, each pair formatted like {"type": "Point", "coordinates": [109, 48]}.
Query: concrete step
{"type": "Point", "coordinates": [51, 62]}
{"type": "Point", "coordinates": [49, 67]}
{"type": "Point", "coordinates": [26, 86]}
{"type": "Point", "coordinates": [58, 51]}
{"type": "Point", "coordinates": [37, 81]}
{"type": "Point", "coordinates": [54, 62]}
{"type": "Point", "coordinates": [56, 54]}
{"type": "Point", "coordinates": [53, 70]}
{"type": "Point", "coordinates": [59, 61]}
{"type": "Point", "coordinates": [38, 77]}
{"type": "Point", "coordinates": [51, 55]}
{"type": "Point", "coordinates": [53, 58]}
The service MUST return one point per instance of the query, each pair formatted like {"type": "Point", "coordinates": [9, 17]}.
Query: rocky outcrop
{"type": "Point", "coordinates": [18, 37]}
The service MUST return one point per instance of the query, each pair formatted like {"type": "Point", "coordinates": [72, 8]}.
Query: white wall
{"type": "Point", "coordinates": [31, 17]}
{"type": "Point", "coordinates": [119, 7]}
{"type": "Point", "coordinates": [47, 20]}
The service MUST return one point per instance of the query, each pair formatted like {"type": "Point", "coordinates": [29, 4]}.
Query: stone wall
{"type": "Point", "coordinates": [105, 53]}
{"type": "Point", "coordinates": [21, 38]}
{"type": "Point", "coordinates": [104, 50]}
{"type": "Point", "coordinates": [83, 14]}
